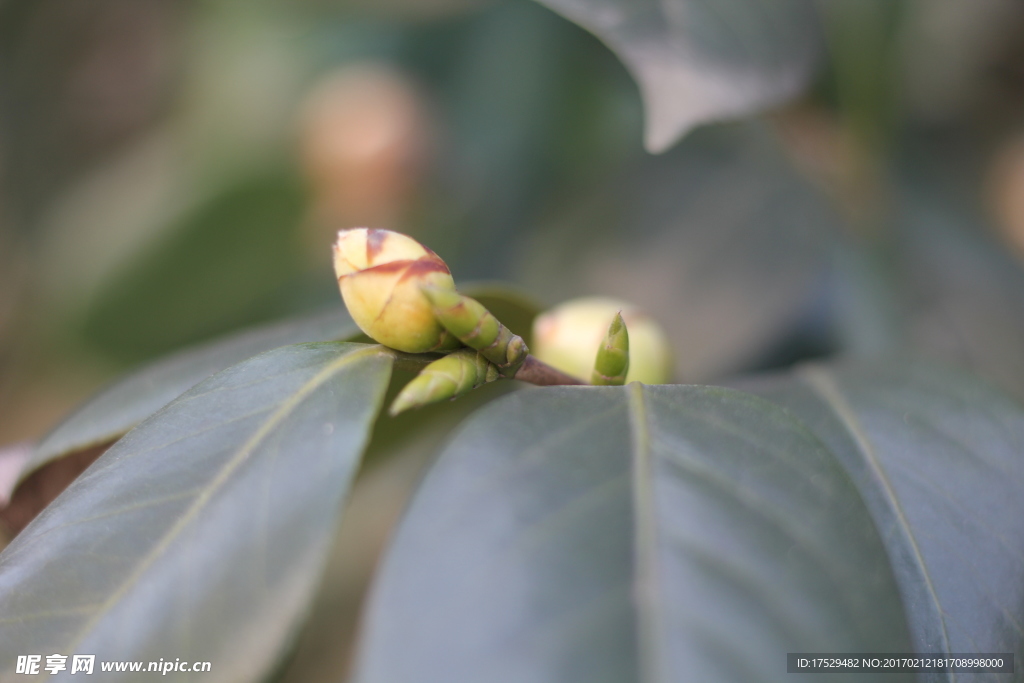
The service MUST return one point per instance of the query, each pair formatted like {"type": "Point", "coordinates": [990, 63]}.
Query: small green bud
{"type": "Point", "coordinates": [380, 274]}
{"type": "Point", "coordinates": [477, 328]}
{"type": "Point", "coordinates": [568, 338]}
{"type": "Point", "coordinates": [454, 375]}
{"type": "Point", "coordinates": [612, 361]}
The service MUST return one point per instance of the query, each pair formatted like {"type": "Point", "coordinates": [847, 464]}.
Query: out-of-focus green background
{"type": "Point", "coordinates": [172, 171]}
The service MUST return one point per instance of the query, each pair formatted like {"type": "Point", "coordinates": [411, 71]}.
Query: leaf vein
{"type": "Point", "coordinates": [240, 456]}
{"type": "Point", "coordinates": [827, 389]}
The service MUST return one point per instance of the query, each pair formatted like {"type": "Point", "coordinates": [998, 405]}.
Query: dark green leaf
{"type": "Point", "coordinates": [202, 533]}
{"type": "Point", "coordinates": [629, 534]}
{"type": "Point", "coordinates": [129, 401]}
{"type": "Point", "coordinates": [939, 459]}
{"type": "Point", "coordinates": [701, 60]}
{"type": "Point", "coordinates": [400, 449]}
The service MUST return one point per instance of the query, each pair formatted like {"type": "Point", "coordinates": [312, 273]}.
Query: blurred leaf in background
{"type": "Point", "coordinates": [698, 61]}
{"type": "Point", "coordinates": [220, 270]}
{"type": "Point", "coordinates": [721, 239]}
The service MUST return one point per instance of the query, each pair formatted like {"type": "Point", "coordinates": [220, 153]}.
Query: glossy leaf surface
{"type": "Point", "coordinates": [667, 533]}
{"type": "Point", "coordinates": [939, 458]}
{"type": "Point", "coordinates": [127, 402]}
{"type": "Point", "coordinates": [201, 534]}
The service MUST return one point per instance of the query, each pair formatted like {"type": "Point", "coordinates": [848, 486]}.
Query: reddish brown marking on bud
{"type": "Point", "coordinates": [414, 267]}
{"type": "Point", "coordinates": [476, 330]}
{"type": "Point", "coordinates": [423, 266]}
{"type": "Point", "coordinates": [432, 254]}
{"type": "Point", "coordinates": [420, 266]}
{"type": "Point", "coordinates": [458, 308]}
{"type": "Point", "coordinates": [374, 243]}
{"type": "Point", "coordinates": [392, 267]}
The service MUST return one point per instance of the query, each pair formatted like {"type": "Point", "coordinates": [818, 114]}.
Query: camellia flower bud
{"type": "Point", "coordinates": [380, 274]}
{"type": "Point", "coordinates": [568, 338]}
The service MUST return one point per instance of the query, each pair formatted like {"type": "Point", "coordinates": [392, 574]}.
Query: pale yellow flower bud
{"type": "Point", "coordinates": [568, 337]}
{"type": "Point", "coordinates": [380, 274]}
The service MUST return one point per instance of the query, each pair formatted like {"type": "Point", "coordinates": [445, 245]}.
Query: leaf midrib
{"type": "Point", "coordinates": [646, 580]}
{"type": "Point", "coordinates": [825, 387]}
{"type": "Point", "coordinates": [243, 453]}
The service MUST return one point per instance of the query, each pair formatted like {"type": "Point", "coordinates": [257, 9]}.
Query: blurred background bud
{"type": "Point", "coordinates": [380, 274]}
{"type": "Point", "coordinates": [1006, 194]}
{"type": "Point", "coordinates": [364, 138]}
{"type": "Point", "coordinates": [568, 337]}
